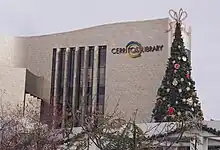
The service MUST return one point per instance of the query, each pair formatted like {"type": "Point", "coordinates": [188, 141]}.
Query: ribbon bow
{"type": "Point", "coordinates": [178, 17]}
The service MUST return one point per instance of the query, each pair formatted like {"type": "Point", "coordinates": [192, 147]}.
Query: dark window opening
{"type": "Point", "coordinates": [70, 83]}
{"type": "Point", "coordinates": [102, 56]}
{"type": "Point", "coordinates": [89, 101]}
{"type": "Point", "coordinates": [91, 57]}
{"type": "Point", "coordinates": [82, 51]}
{"type": "Point", "coordinates": [60, 75]}
{"type": "Point", "coordinates": [101, 90]}
{"type": "Point", "coordinates": [90, 80]}
{"type": "Point", "coordinates": [101, 79]}
{"type": "Point", "coordinates": [53, 75]}
{"type": "Point", "coordinates": [79, 77]}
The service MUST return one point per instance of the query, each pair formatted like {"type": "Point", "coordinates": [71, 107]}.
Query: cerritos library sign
{"type": "Point", "coordinates": [135, 49]}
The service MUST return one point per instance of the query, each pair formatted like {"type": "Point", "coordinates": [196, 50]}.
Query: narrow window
{"type": "Point", "coordinates": [101, 79]}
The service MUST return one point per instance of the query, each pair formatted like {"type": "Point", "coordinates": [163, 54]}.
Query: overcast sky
{"type": "Point", "coordinates": [35, 17]}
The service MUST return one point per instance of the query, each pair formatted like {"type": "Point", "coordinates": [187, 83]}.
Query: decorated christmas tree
{"type": "Point", "coordinates": [176, 98]}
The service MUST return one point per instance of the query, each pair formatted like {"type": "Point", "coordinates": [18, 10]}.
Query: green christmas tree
{"type": "Point", "coordinates": [176, 98]}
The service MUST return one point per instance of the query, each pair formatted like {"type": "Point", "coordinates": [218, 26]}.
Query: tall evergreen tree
{"type": "Point", "coordinates": [176, 98]}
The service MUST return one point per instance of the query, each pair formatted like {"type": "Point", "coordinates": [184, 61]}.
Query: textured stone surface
{"type": "Point", "coordinates": [12, 81]}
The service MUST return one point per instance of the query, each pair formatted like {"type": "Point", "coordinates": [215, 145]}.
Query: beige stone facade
{"type": "Point", "coordinates": [26, 64]}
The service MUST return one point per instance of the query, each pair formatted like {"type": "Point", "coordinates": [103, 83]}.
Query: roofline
{"type": "Point", "coordinates": [95, 26]}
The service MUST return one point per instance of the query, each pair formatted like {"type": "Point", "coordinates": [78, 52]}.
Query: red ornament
{"type": "Point", "coordinates": [176, 66]}
{"type": "Point", "coordinates": [188, 75]}
{"type": "Point", "coordinates": [170, 110]}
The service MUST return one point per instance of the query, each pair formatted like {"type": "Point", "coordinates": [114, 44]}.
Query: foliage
{"type": "Point", "coordinates": [177, 95]}
{"type": "Point", "coordinates": [112, 132]}
{"type": "Point", "coordinates": [19, 131]}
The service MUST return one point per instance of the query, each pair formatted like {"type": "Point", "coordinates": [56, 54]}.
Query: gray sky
{"type": "Point", "coordinates": [34, 17]}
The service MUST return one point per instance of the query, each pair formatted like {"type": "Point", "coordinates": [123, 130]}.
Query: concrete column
{"type": "Point", "coordinates": [205, 143]}
{"type": "Point", "coordinates": [95, 78]}
{"type": "Point", "coordinates": [65, 89]}
{"type": "Point", "coordinates": [174, 148]}
{"type": "Point", "coordinates": [55, 96]}
{"type": "Point", "coordinates": [85, 85]}
{"type": "Point", "coordinates": [190, 37]}
{"type": "Point", "coordinates": [199, 143]}
{"type": "Point", "coordinates": [76, 74]}
{"type": "Point", "coordinates": [192, 144]}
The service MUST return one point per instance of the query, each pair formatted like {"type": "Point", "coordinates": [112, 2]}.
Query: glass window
{"type": "Point", "coordinates": [81, 77]}
{"type": "Point", "coordinates": [89, 90]}
{"type": "Point", "coordinates": [60, 82]}
{"type": "Point", "coordinates": [91, 57]}
{"type": "Point", "coordinates": [100, 103]}
{"type": "Point", "coordinates": [53, 75]}
{"type": "Point", "coordinates": [101, 79]}
{"type": "Point", "coordinates": [81, 91]}
{"type": "Point", "coordinates": [101, 90]}
{"type": "Point", "coordinates": [70, 82]}
{"type": "Point", "coordinates": [102, 56]}
{"type": "Point", "coordinates": [71, 67]}
{"type": "Point", "coordinates": [89, 100]}
{"type": "Point", "coordinates": [82, 51]}
{"type": "Point", "coordinates": [90, 79]}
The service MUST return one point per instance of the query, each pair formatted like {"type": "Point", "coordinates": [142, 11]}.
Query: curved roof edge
{"type": "Point", "coordinates": [93, 27]}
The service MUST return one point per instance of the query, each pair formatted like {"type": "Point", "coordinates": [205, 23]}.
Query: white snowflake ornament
{"type": "Point", "coordinates": [175, 82]}
{"type": "Point", "coordinates": [184, 58]}
{"type": "Point", "coordinates": [194, 94]}
{"type": "Point", "coordinates": [190, 101]}
{"type": "Point", "coordinates": [188, 88]}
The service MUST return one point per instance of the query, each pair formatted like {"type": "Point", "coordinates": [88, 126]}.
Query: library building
{"type": "Point", "coordinates": [86, 70]}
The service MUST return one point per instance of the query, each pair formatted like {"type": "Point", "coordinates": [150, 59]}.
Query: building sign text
{"type": "Point", "coordinates": [135, 49]}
